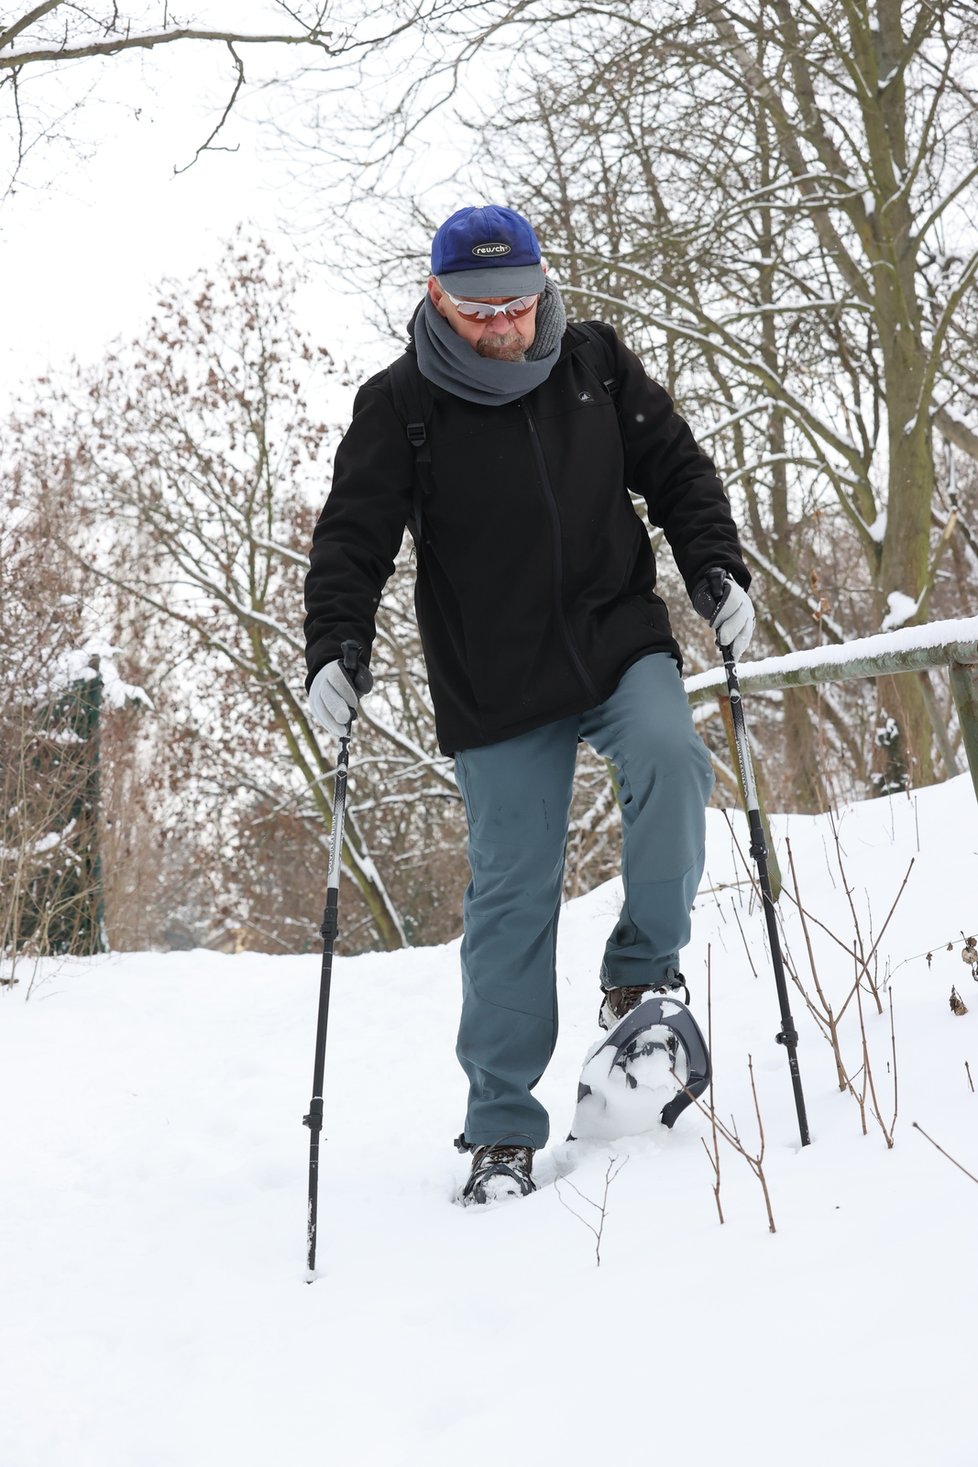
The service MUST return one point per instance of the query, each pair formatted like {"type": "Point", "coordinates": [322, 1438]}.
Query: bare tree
{"type": "Point", "coordinates": [50, 53]}
{"type": "Point", "coordinates": [197, 469]}
{"type": "Point", "coordinates": [777, 205]}
{"type": "Point", "coordinates": [780, 203]}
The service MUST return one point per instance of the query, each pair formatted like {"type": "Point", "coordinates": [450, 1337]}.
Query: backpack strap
{"type": "Point", "coordinates": [605, 363]}
{"type": "Point", "coordinates": [413, 405]}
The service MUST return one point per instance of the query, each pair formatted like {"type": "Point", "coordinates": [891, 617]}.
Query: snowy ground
{"type": "Point", "coordinates": [153, 1309]}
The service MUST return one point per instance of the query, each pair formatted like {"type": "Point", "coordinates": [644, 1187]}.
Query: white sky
{"type": "Point", "coordinates": [83, 255]}
{"type": "Point", "coordinates": [100, 220]}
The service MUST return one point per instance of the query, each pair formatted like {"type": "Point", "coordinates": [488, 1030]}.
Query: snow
{"type": "Point", "coordinates": [153, 1173]}
{"type": "Point", "coordinates": [954, 417]}
{"type": "Point", "coordinates": [96, 657]}
{"type": "Point", "coordinates": [44, 843]}
{"type": "Point", "coordinates": [624, 1100]}
{"type": "Point", "coordinates": [901, 609]}
{"type": "Point", "coordinates": [877, 530]}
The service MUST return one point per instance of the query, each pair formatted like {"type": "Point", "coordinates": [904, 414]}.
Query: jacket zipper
{"type": "Point", "coordinates": [551, 498]}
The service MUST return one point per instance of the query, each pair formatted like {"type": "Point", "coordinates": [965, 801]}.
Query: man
{"type": "Point", "coordinates": [540, 626]}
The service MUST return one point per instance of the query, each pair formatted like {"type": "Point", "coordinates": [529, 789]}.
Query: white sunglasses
{"type": "Point", "coordinates": [483, 311]}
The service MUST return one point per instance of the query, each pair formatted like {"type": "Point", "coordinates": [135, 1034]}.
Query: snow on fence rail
{"type": "Point", "coordinates": [951, 644]}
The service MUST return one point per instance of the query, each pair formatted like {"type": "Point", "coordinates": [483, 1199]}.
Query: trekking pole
{"type": "Point", "coordinates": [362, 681]}
{"type": "Point", "coordinates": [788, 1035]}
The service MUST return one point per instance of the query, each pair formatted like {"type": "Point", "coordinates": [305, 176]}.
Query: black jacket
{"type": "Point", "coordinates": [535, 575]}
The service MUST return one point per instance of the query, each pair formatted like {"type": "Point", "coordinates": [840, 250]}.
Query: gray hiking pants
{"type": "Point", "coordinates": [517, 796]}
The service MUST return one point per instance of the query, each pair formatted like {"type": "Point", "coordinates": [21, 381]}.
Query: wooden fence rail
{"type": "Point", "coordinates": [950, 644]}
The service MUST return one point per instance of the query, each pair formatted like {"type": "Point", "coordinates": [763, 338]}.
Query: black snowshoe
{"type": "Point", "coordinates": [653, 1063]}
{"type": "Point", "coordinates": [498, 1172]}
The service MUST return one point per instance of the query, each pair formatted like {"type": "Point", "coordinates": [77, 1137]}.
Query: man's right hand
{"type": "Point", "coordinates": [728, 609]}
{"type": "Point", "coordinates": [333, 700]}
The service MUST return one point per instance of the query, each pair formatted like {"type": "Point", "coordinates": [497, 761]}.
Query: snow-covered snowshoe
{"type": "Point", "coordinates": [498, 1172]}
{"type": "Point", "coordinates": [653, 1064]}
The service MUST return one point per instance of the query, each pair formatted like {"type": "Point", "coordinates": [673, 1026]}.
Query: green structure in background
{"type": "Point", "coordinates": [63, 910]}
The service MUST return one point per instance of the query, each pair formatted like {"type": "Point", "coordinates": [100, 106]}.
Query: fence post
{"type": "Point", "coordinates": [964, 688]}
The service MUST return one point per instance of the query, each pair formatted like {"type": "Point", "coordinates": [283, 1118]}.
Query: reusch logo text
{"type": "Point", "coordinates": [492, 249]}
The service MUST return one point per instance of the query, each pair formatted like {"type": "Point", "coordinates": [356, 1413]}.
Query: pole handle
{"type": "Point", "coordinates": [356, 670]}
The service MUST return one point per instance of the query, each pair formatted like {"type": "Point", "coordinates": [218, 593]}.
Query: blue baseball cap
{"type": "Point", "coordinates": [485, 252]}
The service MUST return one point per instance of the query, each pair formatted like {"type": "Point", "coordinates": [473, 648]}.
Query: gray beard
{"type": "Point", "coordinates": [502, 348]}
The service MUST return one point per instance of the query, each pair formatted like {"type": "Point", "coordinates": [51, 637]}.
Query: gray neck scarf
{"type": "Point", "coordinates": [449, 362]}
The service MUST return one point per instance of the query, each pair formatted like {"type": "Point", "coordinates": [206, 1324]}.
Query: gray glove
{"type": "Point", "coordinates": [333, 700]}
{"type": "Point", "coordinates": [728, 609]}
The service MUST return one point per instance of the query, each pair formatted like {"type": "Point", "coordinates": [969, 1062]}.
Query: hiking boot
{"type": "Point", "coordinates": [617, 1002]}
{"type": "Point", "coordinates": [498, 1172]}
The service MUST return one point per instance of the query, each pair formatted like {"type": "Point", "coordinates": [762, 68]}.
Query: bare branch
{"type": "Point", "coordinates": [957, 432]}
{"type": "Point", "coordinates": [320, 40]}
{"type": "Point", "coordinates": [39, 11]}
{"type": "Point", "coordinates": [207, 146]}
{"type": "Point", "coordinates": [944, 1153]}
